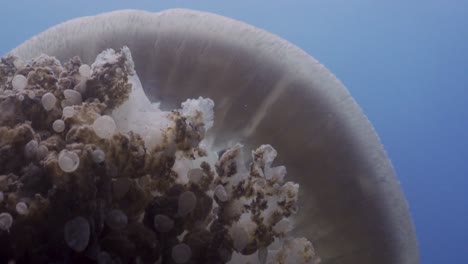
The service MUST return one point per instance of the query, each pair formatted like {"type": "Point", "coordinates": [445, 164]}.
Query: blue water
{"type": "Point", "coordinates": [405, 62]}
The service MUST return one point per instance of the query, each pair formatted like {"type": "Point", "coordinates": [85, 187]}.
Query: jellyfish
{"type": "Point", "coordinates": [353, 205]}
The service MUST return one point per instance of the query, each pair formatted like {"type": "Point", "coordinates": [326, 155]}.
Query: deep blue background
{"type": "Point", "coordinates": [405, 62]}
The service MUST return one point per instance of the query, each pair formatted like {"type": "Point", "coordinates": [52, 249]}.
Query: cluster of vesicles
{"type": "Point", "coordinates": [255, 206]}
{"type": "Point", "coordinates": [91, 171]}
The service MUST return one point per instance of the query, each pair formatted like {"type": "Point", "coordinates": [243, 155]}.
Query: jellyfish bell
{"type": "Point", "coordinates": [266, 90]}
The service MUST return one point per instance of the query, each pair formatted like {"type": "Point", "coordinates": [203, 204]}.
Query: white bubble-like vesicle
{"type": "Point", "coordinates": [31, 94]}
{"type": "Point", "coordinates": [195, 175]}
{"type": "Point", "coordinates": [48, 101]}
{"type": "Point", "coordinates": [19, 82]}
{"type": "Point", "coordinates": [65, 103]}
{"type": "Point", "coordinates": [68, 111]}
{"type": "Point", "coordinates": [116, 219]}
{"type": "Point", "coordinates": [163, 223]}
{"type": "Point", "coordinates": [73, 97]}
{"type": "Point", "coordinates": [104, 126]}
{"type": "Point", "coordinates": [58, 126]}
{"type": "Point", "coordinates": [187, 202]}
{"type": "Point", "coordinates": [6, 221]}
{"type": "Point", "coordinates": [220, 193]}
{"type": "Point", "coordinates": [42, 151]}
{"type": "Point", "coordinates": [118, 71]}
{"type": "Point", "coordinates": [77, 233]}
{"type": "Point", "coordinates": [85, 71]}
{"type": "Point", "coordinates": [20, 97]}
{"type": "Point", "coordinates": [240, 238]}
{"type": "Point", "coordinates": [193, 108]}
{"type": "Point", "coordinates": [283, 226]}
{"type": "Point", "coordinates": [275, 173]}
{"type": "Point", "coordinates": [30, 150]}
{"type": "Point", "coordinates": [296, 250]}
{"type": "Point", "coordinates": [68, 161]}
{"type": "Point", "coordinates": [181, 253]}
{"type": "Point", "coordinates": [22, 208]}
{"type": "Point", "coordinates": [19, 64]}
{"type": "Point", "coordinates": [98, 155]}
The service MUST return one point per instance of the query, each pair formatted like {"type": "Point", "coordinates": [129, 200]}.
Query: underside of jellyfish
{"type": "Point", "coordinates": [92, 171]}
